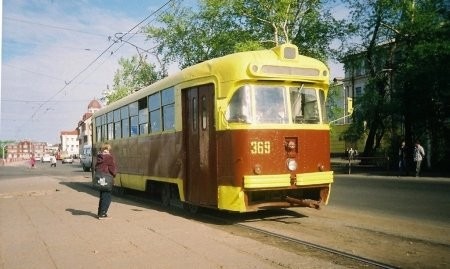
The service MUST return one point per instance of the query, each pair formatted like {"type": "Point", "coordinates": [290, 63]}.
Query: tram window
{"type": "Point", "coordinates": [104, 133]}
{"type": "Point", "coordinates": [304, 104]}
{"type": "Point", "coordinates": [169, 117]}
{"type": "Point", "coordinates": [240, 106]}
{"type": "Point", "coordinates": [134, 126]}
{"type": "Point", "coordinates": [270, 105]}
{"type": "Point", "coordinates": [99, 133]}
{"type": "Point", "coordinates": [204, 113]}
{"type": "Point", "coordinates": [194, 114]}
{"type": "Point", "coordinates": [143, 128]}
{"type": "Point", "coordinates": [110, 117]}
{"type": "Point", "coordinates": [124, 115]}
{"type": "Point", "coordinates": [125, 128]}
{"type": "Point", "coordinates": [117, 115]}
{"type": "Point", "coordinates": [155, 121]}
{"type": "Point", "coordinates": [168, 109]}
{"type": "Point", "coordinates": [133, 107]}
{"type": "Point", "coordinates": [117, 130]}
{"type": "Point", "coordinates": [110, 131]}
{"type": "Point", "coordinates": [322, 105]}
{"type": "Point", "coordinates": [154, 101]}
{"type": "Point", "coordinates": [124, 112]}
{"type": "Point", "coordinates": [142, 103]}
{"type": "Point", "coordinates": [143, 119]}
{"type": "Point", "coordinates": [167, 96]}
{"type": "Point", "coordinates": [103, 119]}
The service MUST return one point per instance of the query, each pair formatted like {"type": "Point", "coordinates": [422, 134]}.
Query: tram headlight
{"type": "Point", "coordinates": [291, 164]}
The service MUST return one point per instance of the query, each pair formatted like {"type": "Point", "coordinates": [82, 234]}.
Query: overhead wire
{"type": "Point", "coordinates": [114, 42]}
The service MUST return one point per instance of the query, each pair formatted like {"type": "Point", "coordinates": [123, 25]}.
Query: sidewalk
{"type": "Point", "coordinates": [341, 167]}
{"type": "Point", "coordinates": [50, 222]}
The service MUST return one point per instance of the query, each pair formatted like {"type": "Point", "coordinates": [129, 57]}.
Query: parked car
{"type": "Point", "coordinates": [67, 159]}
{"type": "Point", "coordinates": [46, 158]}
{"type": "Point", "coordinates": [86, 158]}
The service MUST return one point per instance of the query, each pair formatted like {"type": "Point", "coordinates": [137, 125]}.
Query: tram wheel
{"type": "Point", "coordinates": [193, 209]}
{"type": "Point", "coordinates": [165, 195]}
{"type": "Point", "coordinates": [119, 191]}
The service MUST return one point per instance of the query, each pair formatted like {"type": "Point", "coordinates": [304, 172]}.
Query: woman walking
{"type": "Point", "coordinates": [106, 165]}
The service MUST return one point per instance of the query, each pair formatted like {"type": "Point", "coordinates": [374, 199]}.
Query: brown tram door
{"type": "Point", "coordinates": [199, 138]}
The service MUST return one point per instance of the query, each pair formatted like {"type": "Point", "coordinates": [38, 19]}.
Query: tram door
{"type": "Point", "coordinates": [199, 139]}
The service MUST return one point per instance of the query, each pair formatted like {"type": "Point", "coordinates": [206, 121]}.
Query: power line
{"type": "Point", "coordinates": [51, 26]}
{"type": "Point", "coordinates": [67, 83]}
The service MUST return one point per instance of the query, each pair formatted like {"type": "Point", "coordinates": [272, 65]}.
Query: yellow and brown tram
{"type": "Point", "coordinates": [243, 132]}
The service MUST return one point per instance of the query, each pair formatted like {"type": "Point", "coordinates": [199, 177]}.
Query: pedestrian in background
{"type": "Point", "coordinates": [52, 161]}
{"type": "Point", "coordinates": [32, 161]}
{"type": "Point", "coordinates": [402, 170]}
{"type": "Point", "coordinates": [105, 164]}
{"type": "Point", "coordinates": [419, 153]}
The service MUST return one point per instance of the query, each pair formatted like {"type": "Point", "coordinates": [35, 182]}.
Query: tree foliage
{"type": "Point", "coordinates": [133, 74]}
{"type": "Point", "coordinates": [406, 50]}
{"type": "Point", "coordinates": [219, 27]}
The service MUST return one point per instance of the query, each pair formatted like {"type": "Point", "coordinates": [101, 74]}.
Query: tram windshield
{"type": "Point", "coordinates": [261, 104]}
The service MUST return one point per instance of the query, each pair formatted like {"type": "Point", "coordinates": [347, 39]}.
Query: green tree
{"type": "Point", "coordinates": [372, 21]}
{"type": "Point", "coordinates": [405, 47]}
{"type": "Point", "coordinates": [422, 80]}
{"type": "Point", "coordinates": [133, 75]}
{"type": "Point", "coordinates": [219, 27]}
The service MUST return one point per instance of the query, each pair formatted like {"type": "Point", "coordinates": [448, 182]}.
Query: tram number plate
{"type": "Point", "coordinates": [260, 147]}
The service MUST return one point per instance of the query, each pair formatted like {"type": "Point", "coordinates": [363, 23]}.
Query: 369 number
{"type": "Point", "coordinates": [260, 147]}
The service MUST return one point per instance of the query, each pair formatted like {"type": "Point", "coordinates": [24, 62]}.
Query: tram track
{"type": "Point", "coordinates": [236, 223]}
{"type": "Point", "coordinates": [223, 221]}
{"type": "Point", "coordinates": [320, 248]}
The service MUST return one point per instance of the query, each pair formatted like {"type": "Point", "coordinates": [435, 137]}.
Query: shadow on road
{"type": "Point", "coordinates": [77, 212]}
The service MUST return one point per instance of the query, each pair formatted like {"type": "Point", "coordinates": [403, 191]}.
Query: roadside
{"type": "Point", "coordinates": [341, 167]}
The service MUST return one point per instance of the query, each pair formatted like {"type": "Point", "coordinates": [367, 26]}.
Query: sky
{"type": "Point", "coordinates": [59, 55]}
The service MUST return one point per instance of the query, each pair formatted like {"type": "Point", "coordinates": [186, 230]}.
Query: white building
{"type": "Point", "coordinates": [85, 125]}
{"type": "Point", "coordinates": [69, 143]}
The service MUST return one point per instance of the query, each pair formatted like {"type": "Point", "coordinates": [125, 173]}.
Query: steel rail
{"type": "Point", "coordinates": [322, 248]}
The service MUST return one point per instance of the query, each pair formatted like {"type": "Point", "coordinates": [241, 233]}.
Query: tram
{"type": "Point", "coordinates": [243, 132]}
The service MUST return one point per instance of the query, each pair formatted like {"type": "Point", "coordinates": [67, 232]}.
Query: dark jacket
{"type": "Point", "coordinates": [105, 163]}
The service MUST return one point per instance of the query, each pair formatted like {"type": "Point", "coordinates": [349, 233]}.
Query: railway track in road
{"type": "Point", "coordinates": [359, 259]}
{"type": "Point", "coordinates": [222, 220]}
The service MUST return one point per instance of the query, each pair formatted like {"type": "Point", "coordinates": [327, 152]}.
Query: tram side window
{"type": "Point", "coordinates": [124, 115]}
{"type": "Point", "coordinates": [104, 129]}
{"type": "Point", "coordinates": [99, 133]}
{"type": "Point", "coordinates": [168, 108]}
{"type": "Point", "coordinates": [110, 119]}
{"type": "Point", "coordinates": [322, 106]}
{"type": "Point", "coordinates": [117, 124]}
{"type": "Point", "coordinates": [143, 116]}
{"type": "Point", "coordinates": [154, 106]}
{"type": "Point", "coordinates": [240, 106]}
{"type": "Point", "coordinates": [98, 129]}
{"type": "Point", "coordinates": [104, 132]}
{"type": "Point", "coordinates": [133, 107]}
{"type": "Point", "coordinates": [304, 104]}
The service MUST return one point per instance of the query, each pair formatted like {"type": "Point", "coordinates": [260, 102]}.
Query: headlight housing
{"type": "Point", "coordinates": [291, 164]}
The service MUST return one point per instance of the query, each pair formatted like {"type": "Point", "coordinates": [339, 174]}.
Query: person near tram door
{"type": "Point", "coordinates": [105, 164]}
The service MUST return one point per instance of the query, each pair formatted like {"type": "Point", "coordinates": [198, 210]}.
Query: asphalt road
{"type": "Point", "coordinates": [423, 199]}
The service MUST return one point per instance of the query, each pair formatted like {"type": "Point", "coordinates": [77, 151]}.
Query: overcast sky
{"type": "Point", "coordinates": [57, 56]}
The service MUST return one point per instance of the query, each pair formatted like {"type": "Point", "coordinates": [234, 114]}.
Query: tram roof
{"type": "Point", "coordinates": [279, 63]}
